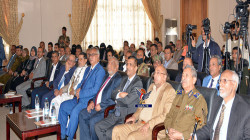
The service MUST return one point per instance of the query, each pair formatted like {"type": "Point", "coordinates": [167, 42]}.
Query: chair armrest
{"type": "Point", "coordinates": [156, 130]}
{"type": "Point", "coordinates": [36, 79]}
{"type": "Point", "coordinates": [128, 116]}
{"type": "Point", "coordinates": [106, 112]}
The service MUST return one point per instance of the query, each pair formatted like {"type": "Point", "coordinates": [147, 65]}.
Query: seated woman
{"type": "Point", "coordinates": [24, 69]}
{"type": "Point", "coordinates": [20, 59]}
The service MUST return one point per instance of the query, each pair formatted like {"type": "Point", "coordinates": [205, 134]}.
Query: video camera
{"type": "Point", "coordinates": [206, 25]}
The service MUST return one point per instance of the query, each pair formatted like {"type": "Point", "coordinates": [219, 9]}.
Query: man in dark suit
{"type": "Point", "coordinates": [123, 66]}
{"type": "Point", "coordinates": [86, 90]}
{"type": "Point", "coordinates": [230, 116]}
{"type": "Point", "coordinates": [63, 78]}
{"type": "Point", "coordinates": [52, 75]}
{"type": "Point", "coordinates": [199, 53]}
{"type": "Point", "coordinates": [39, 70]}
{"type": "Point", "coordinates": [126, 98]}
{"type": "Point", "coordinates": [95, 110]}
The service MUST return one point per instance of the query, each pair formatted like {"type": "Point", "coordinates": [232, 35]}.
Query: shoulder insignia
{"type": "Point", "coordinates": [197, 95]}
{"type": "Point", "coordinates": [179, 92]}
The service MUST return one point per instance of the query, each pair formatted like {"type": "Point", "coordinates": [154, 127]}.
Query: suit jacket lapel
{"type": "Point", "coordinates": [109, 83]}
{"type": "Point", "coordinates": [216, 107]}
{"type": "Point", "coordinates": [131, 83]}
{"type": "Point", "coordinates": [158, 100]}
{"type": "Point", "coordinates": [233, 117]}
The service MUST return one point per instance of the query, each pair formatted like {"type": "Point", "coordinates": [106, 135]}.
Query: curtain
{"type": "Point", "coordinates": [152, 8]}
{"type": "Point", "coordinates": [82, 14]}
{"type": "Point", "coordinates": [9, 26]}
{"type": "Point", "coordinates": [116, 21]}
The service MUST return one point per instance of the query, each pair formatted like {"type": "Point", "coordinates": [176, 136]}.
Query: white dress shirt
{"type": "Point", "coordinates": [224, 127]}
{"type": "Point", "coordinates": [204, 44]}
{"type": "Point", "coordinates": [53, 72]}
{"type": "Point", "coordinates": [215, 81]}
{"type": "Point", "coordinates": [130, 80]}
{"type": "Point", "coordinates": [99, 97]}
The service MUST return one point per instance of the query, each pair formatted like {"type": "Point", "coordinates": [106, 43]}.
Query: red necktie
{"type": "Point", "coordinates": [102, 88]}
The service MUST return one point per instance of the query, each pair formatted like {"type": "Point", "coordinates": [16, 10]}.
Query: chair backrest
{"type": "Point", "coordinates": [146, 81]}
{"type": "Point", "coordinates": [122, 73]}
{"type": "Point", "coordinates": [209, 94]}
{"type": "Point", "coordinates": [201, 76]}
{"type": "Point", "coordinates": [48, 64]}
{"type": "Point", "coordinates": [104, 63]}
{"type": "Point", "coordinates": [175, 85]}
{"type": "Point", "coordinates": [172, 74]}
{"type": "Point", "coordinates": [151, 69]}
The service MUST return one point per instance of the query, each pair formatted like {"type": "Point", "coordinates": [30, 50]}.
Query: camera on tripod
{"type": "Point", "coordinates": [206, 25]}
{"type": "Point", "coordinates": [243, 14]}
{"type": "Point", "coordinates": [227, 27]}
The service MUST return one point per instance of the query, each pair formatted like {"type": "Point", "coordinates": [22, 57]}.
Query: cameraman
{"type": "Point", "coordinates": [199, 53]}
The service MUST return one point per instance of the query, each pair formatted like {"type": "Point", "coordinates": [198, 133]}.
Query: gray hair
{"type": "Point", "coordinates": [193, 70]}
{"type": "Point", "coordinates": [219, 61]}
{"type": "Point", "coordinates": [235, 78]}
{"type": "Point", "coordinates": [115, 60]}
{"type": "Point", "coordinates": [96, 49]}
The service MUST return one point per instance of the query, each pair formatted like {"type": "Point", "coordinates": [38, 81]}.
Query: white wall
{"type": "Point", "coordinates": [170, 9]}
{"type": "Point", "coordinates": [43, 21]}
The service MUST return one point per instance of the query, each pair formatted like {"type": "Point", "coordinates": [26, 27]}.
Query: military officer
{"type": "Point", "coordinates": [187, 105]}
{"type": "Point", "coordinates": [142, 68]}
{"type": "Point", "coordinates": [64, 40]}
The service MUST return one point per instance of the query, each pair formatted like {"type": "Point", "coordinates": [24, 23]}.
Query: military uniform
{"type": "Point", "coordinates": [62, 37]}
{"type": "Point", "coordinates": [185, 108]}
{"type": "Point", "coordinates": [4, 78]}
{"type": "Point", "coordinates": [143, 70]}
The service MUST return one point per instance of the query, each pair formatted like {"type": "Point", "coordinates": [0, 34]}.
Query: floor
{"type": "Point", "coordinates": [5, 110]}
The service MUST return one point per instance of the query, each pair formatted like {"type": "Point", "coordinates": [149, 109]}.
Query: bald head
{"type": "Point", "coordinates": [187, 61]}
{"type": "Point", "coordinates": [160, 75]}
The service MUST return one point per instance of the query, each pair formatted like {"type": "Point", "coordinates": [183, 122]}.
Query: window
{"type": "Point", "coordinates": [117, 20]}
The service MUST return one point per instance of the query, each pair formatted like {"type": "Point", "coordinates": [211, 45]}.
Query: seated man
{"type": "Point", "coordinates": [62, 79]}
{"type": "Point", "coordinates": [12, 59]}
{"type": "Point", "coordinates": [68, 91]}
{"type": "Point", "coordinates": [186, 61]}
{"type": "Point", "coordinates": [38, 71]}
{"type": "Point", "coordinates": [123, 66]}
{"type": "Point", "coordinates": [53, 73]}
{"type": "Point", "coordinates": [187, 105]}
{"type": "Point", "coordinates": [17, 62]}
{"type": "Point", "coordinates": [169, 62]}
{"type": "Point", "coordinates": [126, 98]}
{"type": "Point", "coordinates": [95, 110]}
{"type": "Point", "coordinates": [215, 67]}
{"type": "Point", "coordinates": [230, 116]}
{"type": "Point", "coordinates": [144, 119]}
{"type": "Point", "coordinates": [142, 67]}
{"type": "Point", "coordinates": [86, 90]}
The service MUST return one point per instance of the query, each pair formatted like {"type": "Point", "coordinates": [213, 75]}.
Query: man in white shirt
{"type": "Point", "coordinates": [215, 67]}
{"type": "Point", "coordinates": [68, 91]}
{"type": "Point", "coordinates": [95, 110]}
{"type": "Point", "coordinates": [230, 116]}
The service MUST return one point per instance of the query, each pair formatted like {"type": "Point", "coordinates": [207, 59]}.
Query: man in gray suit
{"type": "Point", "coordinates": [126, 98]}
{"type": "Point", "coordinates": [230, 116]}
{"type": "Point", "coordinates": [38, 71]}
{"type": "Point", "coordinates": [169, 62]}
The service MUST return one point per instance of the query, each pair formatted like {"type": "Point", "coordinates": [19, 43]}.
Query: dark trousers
{"type": "Point", "coordinates": [40, 91]}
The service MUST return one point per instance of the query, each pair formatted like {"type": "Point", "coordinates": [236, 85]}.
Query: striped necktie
{"type": "Point", "coordinates": [219, 124]}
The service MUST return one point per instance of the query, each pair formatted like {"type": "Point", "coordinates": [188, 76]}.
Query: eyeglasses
{"type": "Point", "coordinates": [225, 81]}
{"type": "Point", "coordinates": [92, 54]}
{"type": "Point", "coordinates": [158, 73]}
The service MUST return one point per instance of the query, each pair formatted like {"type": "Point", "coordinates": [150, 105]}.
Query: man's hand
{"type": "Point", "coordinates": [123, 94]}
{"type": "Point", "coordinates": [144, 129]}
{"type": "Point", "coordinates": [72, 92]}
{"type": "Point", "coordinates": [60, 92]}
{"type": "Point", "coordinates": [10, 72]}
{"type": "Point", "coordinates": [131, 120]}
{"type": "Point", "coordinates": [47, 84]}
{"type": "Point", "coordinates": [78, 94]}
{"type": "Point", "coordinates": [23, 73]}
{"type": "Point", "coordinates": [174, 134]}
{"type": "Point", "coordinates": [67, 67]}
{"type": "Point", "coordinates": [56, 92]}
{"type": "Point", "coordinates": [193, 42]}
{"type": "Point", "coordinates": [31, 75]}
{"type": "Point", "coordinates": [90, 106]}
{"type": "Point", "coordinates": [98, 107]}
